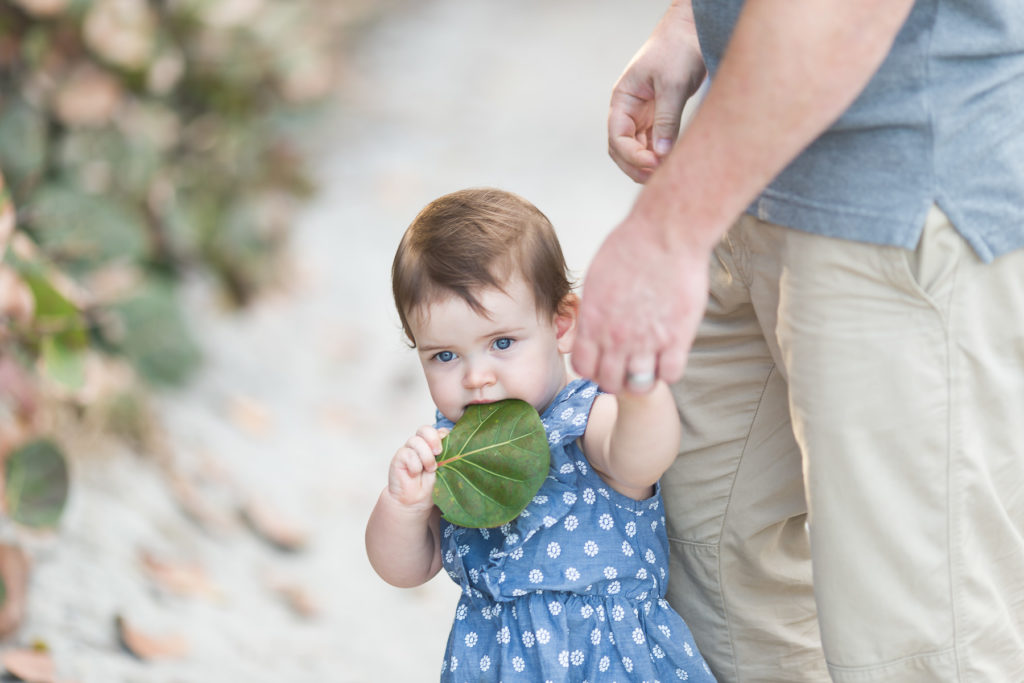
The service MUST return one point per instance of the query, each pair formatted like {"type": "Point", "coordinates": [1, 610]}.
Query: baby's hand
{"type": "Point", "coordinates": [411, 476]}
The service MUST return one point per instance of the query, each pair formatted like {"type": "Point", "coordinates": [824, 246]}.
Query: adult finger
{"type": "Point", "coordinates": [629, 144]}
{"type": "Point", "coordinates": [633, 159]}
{"type": "Point", "coordinates": [668, 110]}
{"type": "Point", "coordinates": [641, 373]}
{"type": "Point", "coordinates": [671, 364]}
{"type": "Point", "coordinates": [611, 374]}
{"type": "Point", "coordinates": [585, 356]}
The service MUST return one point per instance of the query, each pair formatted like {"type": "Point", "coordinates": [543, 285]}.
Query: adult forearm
{"type": "Point", "coordinates": [791, 68]}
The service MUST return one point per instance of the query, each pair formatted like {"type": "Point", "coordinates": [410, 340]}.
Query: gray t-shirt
{"type": "Point", "coordinates": [942, 121]}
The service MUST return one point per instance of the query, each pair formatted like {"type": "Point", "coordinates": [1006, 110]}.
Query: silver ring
{"type": "Point", "coordinates": [640, 379]}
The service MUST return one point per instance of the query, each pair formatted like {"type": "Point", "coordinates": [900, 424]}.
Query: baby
{"type": "Point", "coordinates": [573, 588]}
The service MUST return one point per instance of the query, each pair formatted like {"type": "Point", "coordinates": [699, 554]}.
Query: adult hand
{"type": "Point", "coordinates": [647, 101]}
{"type": "Point", "coordinates": [643, 298]}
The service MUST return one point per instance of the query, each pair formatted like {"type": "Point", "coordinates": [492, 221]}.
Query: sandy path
{"type": "Point", "coordinates": [305, 396]}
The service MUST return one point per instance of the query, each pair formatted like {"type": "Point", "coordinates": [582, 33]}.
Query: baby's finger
{"type": "Point", "coordinates": [428, 461]}
{"type": "Point", "coordinates": [411, 461]}
{"type": "Point", "coordinates": [421, 451]}
{"type": "Point", "coordinates": [432, 437]}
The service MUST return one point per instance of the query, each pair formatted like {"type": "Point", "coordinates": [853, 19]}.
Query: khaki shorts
{"type": "Point", "coordinates": [874, 395]}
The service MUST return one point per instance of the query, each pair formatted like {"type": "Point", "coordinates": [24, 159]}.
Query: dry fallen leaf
{"type": "Point", "coordinates": [296, 597]}
{"type": "Point", "coordinates": [249, 415]}
{"type": "Point", "coordinates": [339, 417]}
{"type": "Point", "coordinates": [178, 577]}
{"type": "Point", "coordinates": [231, 13]}
{"type": "Point", "coordinates": [299, 599]}
{"type": "Point", "coordinates": [88, 98]}
{"type": "Point", "coordinates": [122, 32]}
{"type": "Point", "coordinates": [34, 666]}
{"type": "Point", "coordinates": [43, 8]}
{"type": "Point", "coordinates": [145, 646]}
{"type": "Point", "coordinates": [210, 469]}
{"type": "Point", "coordinates": [197, 507]}
{"type": "Point", "coordinates": [346, 345]}
{"type": "Point", "coordinates": [270, 524]}
{"type": "Point", "coordinates": [14, 571]}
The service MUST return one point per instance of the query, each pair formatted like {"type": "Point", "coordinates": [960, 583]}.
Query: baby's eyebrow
{"type": "Point", "coordinates": [430, 349]}
{"type": "Point", "coordinates": [425, 347]}
{"type": "Point", "coordinates": [507, 332]}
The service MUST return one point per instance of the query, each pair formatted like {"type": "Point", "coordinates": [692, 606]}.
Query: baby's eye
{"type": "Point", "coordinates": [444, 356]}
{"type": "Point", "coordinates": [502, 343]}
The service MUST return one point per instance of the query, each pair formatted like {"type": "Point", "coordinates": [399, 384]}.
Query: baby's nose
{"type": "Point", "coordinates": [478, 375]}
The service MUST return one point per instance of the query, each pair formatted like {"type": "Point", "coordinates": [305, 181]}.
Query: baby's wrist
{"type": "Point", "coordinates": [415, 507]}
{"type": "Point", "coordinates": [654, 394]}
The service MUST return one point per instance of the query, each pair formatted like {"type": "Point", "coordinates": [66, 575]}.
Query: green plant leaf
{"type": "Point", "coordinates": [63, 364]}
{"type": "Point", "coordinates": [22, 140]}
{"type": "Point", "coordinates": [156, 338]}
{"type": "Point", "coordinates": [86, 230]}
{"type": "Point", "coordinates": [54, 315]}
{"type": "Point", "coordinates": [36, 483]}
{"type": "Point", "coordinates": [492, 464]}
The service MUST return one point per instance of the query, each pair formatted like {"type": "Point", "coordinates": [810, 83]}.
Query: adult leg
{"type": "Point", "coordinates": [906, 375]}
{"type": "Point", "coordinates": [740, 563]}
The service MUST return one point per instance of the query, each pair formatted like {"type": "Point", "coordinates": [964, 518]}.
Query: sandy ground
{"type": "Point", "coordinates": [304, 397]}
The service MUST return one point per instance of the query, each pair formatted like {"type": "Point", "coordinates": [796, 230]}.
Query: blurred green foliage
{"type": "Point", "coordinates": [143, 140]}
{"type": "Point", "coordinates": [36, 476]}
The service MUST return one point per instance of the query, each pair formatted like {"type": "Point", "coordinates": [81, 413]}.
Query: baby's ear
{"type": "Point", "coordinates": [565, 322]}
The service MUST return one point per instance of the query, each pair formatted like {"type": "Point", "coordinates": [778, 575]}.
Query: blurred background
{"type": "Point", "coordinates": [202, 377]}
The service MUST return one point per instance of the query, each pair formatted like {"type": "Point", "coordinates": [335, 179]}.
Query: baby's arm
{"type": "Point", "coordinates": [403, 538]}
{"type": "Point", "coordinates": [631, 439]}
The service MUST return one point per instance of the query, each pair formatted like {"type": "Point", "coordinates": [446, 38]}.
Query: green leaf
{"type": "Point", "coordinates": [87, 230]}
{"type": "Point", "coordinates": [492, 464]}
{"type": "Point", "coordinates": [37, 483]}
{"type": "Point", "coordinates": [156, 338]}
{"type": "Point", "coordinates": [22, 141]}
{"type": "Point", "coordinates": [55, 314]}
{"type": "Point", "coordinates": [63, 364]}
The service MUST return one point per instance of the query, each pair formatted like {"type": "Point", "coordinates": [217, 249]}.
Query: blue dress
{"type": "Point", "coordinates": [574, 588]}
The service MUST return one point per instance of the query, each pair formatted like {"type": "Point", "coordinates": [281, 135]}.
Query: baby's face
{"type": "Point", "coordinates": [471, 358]}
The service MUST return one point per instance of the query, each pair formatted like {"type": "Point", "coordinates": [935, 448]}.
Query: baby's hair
{"type": "Point", "coordinates": [476, 238]}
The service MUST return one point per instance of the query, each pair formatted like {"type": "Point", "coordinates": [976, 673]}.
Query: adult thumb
{"type": "Point", "coordinates": [668, 111]}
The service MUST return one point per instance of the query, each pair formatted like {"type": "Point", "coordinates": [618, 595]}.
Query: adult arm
{"type": "Point", "coordinates": [790, 69]}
